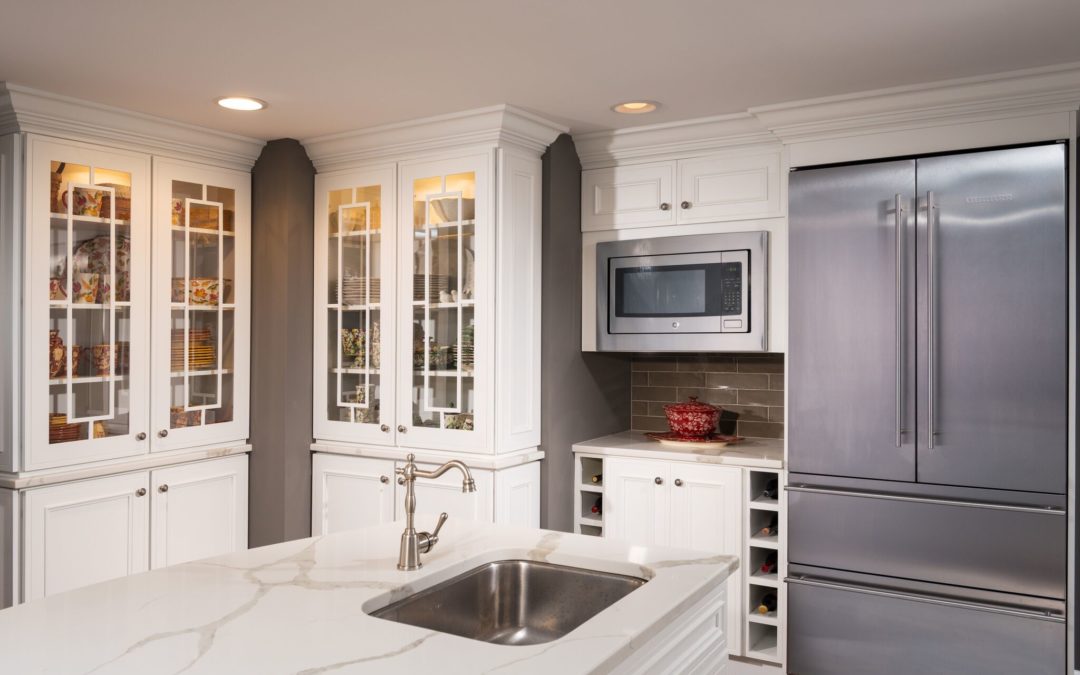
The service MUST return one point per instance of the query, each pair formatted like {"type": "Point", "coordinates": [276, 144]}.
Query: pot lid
{"type": "Point", "coordinates": [693, 405]}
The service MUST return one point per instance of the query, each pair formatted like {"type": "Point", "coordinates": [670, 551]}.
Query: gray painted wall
{"type": "Point", "coordinates": [282, 255]}
{"type": "Point", "coordinates": [584, 395]}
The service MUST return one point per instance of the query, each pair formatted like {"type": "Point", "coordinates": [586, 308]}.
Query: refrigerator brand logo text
{"type": "Point", "coordinates": [989, 199]}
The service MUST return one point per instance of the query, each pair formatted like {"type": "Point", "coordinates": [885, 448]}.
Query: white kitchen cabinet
{"type": "Point", "coordinates": [705, 504]}
{"type": "Point", "coordinates": [444, 494]}
{"type": "Point", "coordinates": [350, 492]}
{"type": "Point", "coordinates": [634, 195]}
{"type": "Point", "coordinates": [198, 510]}
{"type": "Point", "coordinates": [637, 504]}
{"type": "Point", "coordinates": [693, 189]}
{"type": "Point", "coordinates": [85, 532]}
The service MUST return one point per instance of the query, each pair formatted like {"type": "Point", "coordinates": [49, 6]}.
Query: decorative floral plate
{"type": "Point", "coordinates": [93, 256]}
{"type": "Point", "coordinates": [711, 441]}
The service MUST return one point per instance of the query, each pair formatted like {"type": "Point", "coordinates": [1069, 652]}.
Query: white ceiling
{"type": "Point", "coordinates": [336, 65]}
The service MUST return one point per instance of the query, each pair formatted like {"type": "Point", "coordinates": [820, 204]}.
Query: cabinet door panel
{"type": "Point", "coordinates": [444, 494]}
{"type": "Point", "coordinates": [198, 510]}
{"type": "Point", "coordinates": [843, 352]}
{"type": "Point", "coordinates": [517, 496]}
{"type": "Point", "coordinates": [86, 333]}
{"type": "Point", "coordinates": [85, 532]}
{"type": "Point", "coordinates": [354, 307]}
{"type": "Point", "coordinates": [728, 188]}
{"type": "Point", "coordinates": [636, 507]}
{"type": "Point", "coordinates": [202, 310]}
{"type": "Point", "coordinates": [350, 492]}
{"type": "Point", "coordinates": [627, 196]}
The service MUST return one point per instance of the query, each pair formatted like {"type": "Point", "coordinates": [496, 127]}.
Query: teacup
{"type": "Point", "coordinates": [85, 287]}
{"type": "Point", "coordinates": [102, 355]}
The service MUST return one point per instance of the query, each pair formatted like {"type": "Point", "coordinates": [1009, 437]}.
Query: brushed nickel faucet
{"type": "Point", "coordinates": [414, 543]}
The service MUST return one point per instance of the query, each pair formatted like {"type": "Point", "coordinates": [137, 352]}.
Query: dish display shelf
{"type": "Point", "coordinates": [588, 493]}
{"type": "Point", "coordinates": [764, 632]}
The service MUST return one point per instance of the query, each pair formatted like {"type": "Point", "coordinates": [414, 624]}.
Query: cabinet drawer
{"type": "Point", "coordinates": [1001, 549]}
{"type": "Point", "coordinates": [725, 187]}
{"type": "Point", "coordinates": [840, 629]}
{"type": "Point", "coordinates": [627, 196]}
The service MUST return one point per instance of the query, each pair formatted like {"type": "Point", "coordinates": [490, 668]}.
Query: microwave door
{"type": "Point", "coordinates": [665, 293]}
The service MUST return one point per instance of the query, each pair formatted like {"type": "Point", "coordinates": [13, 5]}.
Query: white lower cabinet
{"type": "Point", "coordinates": [353, 492]}
{"type": "Point", "coordinates": [681, 504]}
{"type": "Point", "coordinates": [94, 530]}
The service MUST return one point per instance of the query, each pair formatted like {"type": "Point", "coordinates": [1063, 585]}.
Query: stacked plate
{"type": "Point", "coordinates": [465, 353]}
{"type": "Point", "coordinates": [62, 432]}
{"type": "Point", "coordinates": [354, 290]}
{"type": "Point", "coordinates": [201, 350]}
{"type": "Point", "coordinates": [440, 283]}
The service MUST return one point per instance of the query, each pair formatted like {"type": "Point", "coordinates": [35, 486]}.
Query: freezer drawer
{"type": "Point", "coordinates": [1013, 549]}
{"type": "Point", "coordinates": [843, 628]}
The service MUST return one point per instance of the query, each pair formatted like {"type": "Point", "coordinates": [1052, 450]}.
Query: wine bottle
{"type": "Point", "coordinates": [769, 566]}
{"type": "Point", "coordinates": [598, 506]}
{"type": "Point", "coordinates": [597, 478]}
{"type": "Point", "coordinates": [772, 529]}
{"type": "Point", "coordinates": [770, 491]}
{"type": "Point", "coordinates": [767, 604]}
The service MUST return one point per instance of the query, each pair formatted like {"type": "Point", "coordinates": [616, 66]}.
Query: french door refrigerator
{"type": "Point", "coordinates": [928, 414]}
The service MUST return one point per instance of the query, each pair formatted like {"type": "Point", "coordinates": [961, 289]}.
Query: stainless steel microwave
{"type": "Point", "coordinates": [691, 293]}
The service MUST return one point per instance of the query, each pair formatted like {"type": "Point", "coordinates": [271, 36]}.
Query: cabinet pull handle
{"type": "Point", "coordinates": [678, 482]}
{"type": "Point", "coordinates": [385, 428]}
{"type": "Point", "coordinates": [401, 429]}
{"type": "Point", "coordinates": [658, 480]}
{"type": "Point", "coordinates": [164, 487]}
{"type": "Point", "coordinates": [141, 436]}
{"type": "Point", "coordinates": [899, 320]}
{"type": "Point", "coordinates": [141, 492]}
{"type": "Point", "coordinates": [163, 433]}
{"type": "Point", "coordinates": [384, 479]}
{"type": "Point", "coordinates": [931, 312]}
{"type": "Point", "coordinates": [686, 205]}
{"type": "Point", "coordinates": [664, 206]}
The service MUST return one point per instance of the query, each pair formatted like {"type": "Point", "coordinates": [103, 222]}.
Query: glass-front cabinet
{"type": "Point", "coordinates": [86, 331]}
{"type": "Point", "coordinates": [201, 305]}
{"type": "Point", "coordinates": [354, 306]}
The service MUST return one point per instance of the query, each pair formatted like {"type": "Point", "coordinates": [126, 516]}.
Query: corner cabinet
{"type": "Point", "coordinates": [125, 248]}
{"type": "Point", "coordinates": [427, 297]}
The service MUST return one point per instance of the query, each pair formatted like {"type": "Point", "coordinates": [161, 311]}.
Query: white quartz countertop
{"type": "Point", "coordinates": [761, 453]}
{"type": "Point", "coordinates": [299, 607]}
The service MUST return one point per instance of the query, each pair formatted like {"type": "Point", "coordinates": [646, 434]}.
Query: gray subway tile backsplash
{"type": "Point", "coordinates": [750, 389]}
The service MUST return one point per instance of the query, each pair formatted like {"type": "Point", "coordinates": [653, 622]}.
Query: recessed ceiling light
{"type": "Point", "coordinates": [635, 107]}
{"type": "Point", "coordinates": [241, 103]}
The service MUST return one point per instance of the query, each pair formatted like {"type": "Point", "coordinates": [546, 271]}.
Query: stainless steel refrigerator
{"type": "Point", "coordinates": [928, 414]}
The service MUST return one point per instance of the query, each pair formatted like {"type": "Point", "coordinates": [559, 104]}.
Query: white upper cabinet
{"type": "Point", "coordinates": [636, 195]}
{"type": "Point", "coordinates": [202, 240]}
{"type": "Point", "coordinates": [87, 304]}
{"type": "Point", "coordinates": [709, 188]}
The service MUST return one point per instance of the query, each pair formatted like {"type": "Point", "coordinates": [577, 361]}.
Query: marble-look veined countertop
{"type": "Point", "coordinates": [299, 607]}
{"type": "Point", "coordinates": [759, 453]}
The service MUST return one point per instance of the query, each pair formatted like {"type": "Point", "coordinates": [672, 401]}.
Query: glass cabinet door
{"type": "Point", "coordinates": [201, 313]}
{"type": "Point", "coordinates": [88, 235]}
{"type": "Point", "coordinates": [445, 295]}
{"type": "Point", "coordinates": [354, 361]}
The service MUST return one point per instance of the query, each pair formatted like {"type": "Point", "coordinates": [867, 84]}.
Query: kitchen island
{"type": "Point", "coordinates": [303, 607]}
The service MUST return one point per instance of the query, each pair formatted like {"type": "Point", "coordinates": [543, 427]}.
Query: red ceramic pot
{"type": "Point", "coordinates": [692, 419]}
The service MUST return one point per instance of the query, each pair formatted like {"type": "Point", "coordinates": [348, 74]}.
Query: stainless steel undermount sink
{"type": "Point", "coordinates": [512, 602]}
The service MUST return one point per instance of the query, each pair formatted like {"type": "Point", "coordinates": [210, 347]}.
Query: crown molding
{"type": "Point", "coordinates": [655, 141]}
{"type": "Point", "coordinates": [494, 125]}
{"type": "Point", "coordinates": [1051, 89]}
{"type": "Point", "coordinates": [1001, 95]}
{"type": "Point", "coordinates": [23, 109]}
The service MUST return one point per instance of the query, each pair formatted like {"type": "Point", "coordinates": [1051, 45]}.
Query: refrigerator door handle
{"type": "Point", "coordinates": [899, 213]}
{"type": "Point", "coordinates": [931, 308]}
{"type": "Point", "coordinates": [1049, 510]}
{"type": "Point", "coordinates": [944, 602]}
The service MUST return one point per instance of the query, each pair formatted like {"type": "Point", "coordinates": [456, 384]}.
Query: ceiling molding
{"type": "Point", "coordinates": [23, 109]}
{"type": "Point", "coordinates": [495, 125]}
{"type": "Point", "coordinates": [999, 96]}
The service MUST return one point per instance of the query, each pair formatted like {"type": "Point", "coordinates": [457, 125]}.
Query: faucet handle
{"type": "Point", "coordinates": [438, 526]}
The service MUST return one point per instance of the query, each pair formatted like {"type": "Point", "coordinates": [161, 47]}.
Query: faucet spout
{"type": "Point", "coordinates": [414, 543]}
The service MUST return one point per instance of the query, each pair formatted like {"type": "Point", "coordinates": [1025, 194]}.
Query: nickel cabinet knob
{"type": "Point", "coordinates": [164, 487]}
{"type": "Point", "coordinates": [401, 429]}
{"type": "Point", "coordinates": [163, 433]}
{"type": "Point", "coordinates": [384, 479]}
{"type": "Point", "coordinates": [665, 206]}
{"type": "Point", "coordinates": [686, 205]}
{"type": "Point", "coordinates": [141, 436]}
{"type": "Point", "coordinates": [658, 480]}
{"type": "Point", "coordinates": [678, 482]}
{"type": "Point", "coordinates": [385, 428]}
{"type": "Point", "coordinates": [141, 492]}
{"type": "Point", "coordinates": [400, 480]}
